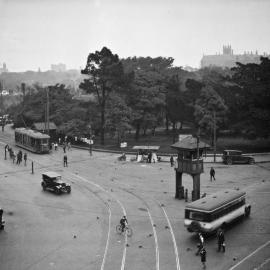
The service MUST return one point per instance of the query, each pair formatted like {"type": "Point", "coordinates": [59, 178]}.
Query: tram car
{"type": "Point", "coordinates": [32, 140]}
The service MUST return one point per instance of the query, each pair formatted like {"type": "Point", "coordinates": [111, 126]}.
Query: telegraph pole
{"type": "Point", "coordinates": [47, 111]}
{"type": "Point", "coordinates": [215, 145]}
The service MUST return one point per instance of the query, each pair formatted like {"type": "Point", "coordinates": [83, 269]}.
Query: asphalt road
{"type": "Point", "coordinates": [77, 231]}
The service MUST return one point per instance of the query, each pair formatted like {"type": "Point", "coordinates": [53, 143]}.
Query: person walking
{"type": "Point", "coordinates": [221, 240]}
{"type": "Point", "coordinates": [65, 161]}
{"type": "Point", "coordinates": [25, 158]}
{"type": "Point", "coordinates": [200, 244]}
{"type": "Point", "coordinates": [212, 174]}
{"type": "Point", "coordinates": [171, 160]}
{"type": "Point", "coordinates": [203, 257]}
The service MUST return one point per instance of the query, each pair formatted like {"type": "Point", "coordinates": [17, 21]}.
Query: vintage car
{"type": "Point", "coordinates": [53, 181]}
{"type": "Point", "coordinates": [235, 156]}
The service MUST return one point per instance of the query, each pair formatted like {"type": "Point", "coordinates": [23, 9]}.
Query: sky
{"type": "Point", "coordinates": [37, 33]}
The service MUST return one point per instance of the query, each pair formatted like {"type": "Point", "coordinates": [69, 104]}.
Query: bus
{"type": "Point", "coordinates": [215, 211]}
{"type": "Point", "coordinates": [32, 140]}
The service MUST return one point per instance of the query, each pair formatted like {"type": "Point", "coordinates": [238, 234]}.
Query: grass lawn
{"type": "Point", "coordinates": [165, 140]}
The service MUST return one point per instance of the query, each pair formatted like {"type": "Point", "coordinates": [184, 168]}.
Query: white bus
{"type": "Point", "coordinates": [214, 211]}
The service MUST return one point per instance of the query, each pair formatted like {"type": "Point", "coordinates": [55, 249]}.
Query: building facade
{"type": "Point", "coordinates": [4, 68]}
{"type": "Point", "coordinates": [229, 59]}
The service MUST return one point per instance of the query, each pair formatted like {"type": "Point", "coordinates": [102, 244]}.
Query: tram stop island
{"type": "Point", "coordinates": [189, 160]}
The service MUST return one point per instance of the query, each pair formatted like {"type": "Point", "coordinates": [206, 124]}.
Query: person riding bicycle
{"type": "Point", "coordinates": [123, 222]}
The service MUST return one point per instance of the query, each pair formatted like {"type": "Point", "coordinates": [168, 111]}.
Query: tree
{"type": "Point", "coordinates": [105, 74]}
{"type": "Point", "coordinates": [252, 81]}
{"type": "Point", "coordinates": [210, 110]}
{"type": "Point", "coordinates": [146, 96]}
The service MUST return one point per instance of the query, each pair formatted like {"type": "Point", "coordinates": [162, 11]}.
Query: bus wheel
{"type": "Point", "coordinates": [247, 211]}
{"type": "Point", "coordinates": [229, 161]}
{"type": "Point", "coordinates": [223, 226]}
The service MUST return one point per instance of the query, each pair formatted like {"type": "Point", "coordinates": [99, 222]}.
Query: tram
{"type": "Point", "coordinates": [32, 140]}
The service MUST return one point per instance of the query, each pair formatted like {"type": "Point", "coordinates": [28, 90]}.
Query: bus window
{"type": "Point", "coordinates": [199, 216]}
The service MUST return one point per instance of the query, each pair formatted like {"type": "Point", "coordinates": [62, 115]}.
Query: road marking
{"type": "Point", "coordinates": [259, 248]}
{"type": "Point", "coordinates": [174, 241]}
{"type": "Point", "coordinates": [155, 236]}
{"type": "Point", "coordinates": [124, 211]}
{"type": "Point", "coordinates": [262, 265]}
{"type": "Point", "coordinates": [152, 223]}
{"type": "Point", "coordinates": [108, 238]}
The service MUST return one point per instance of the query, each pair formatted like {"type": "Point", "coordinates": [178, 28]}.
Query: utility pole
{"type": "Point", "coordinates": [47, 111]}
{"type": "Point", "coordinates": [90, 140]}
{"type": "Point", "coordinates": [215, 145]}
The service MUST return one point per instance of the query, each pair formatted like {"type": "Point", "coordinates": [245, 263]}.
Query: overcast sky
{"type": "Point", "coordinates": [38, 33]}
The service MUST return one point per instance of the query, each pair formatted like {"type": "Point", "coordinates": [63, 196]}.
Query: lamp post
{"type": "Point", "coordinates": [90, 140]}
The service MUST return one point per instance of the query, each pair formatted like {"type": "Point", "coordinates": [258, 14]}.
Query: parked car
{"type": "Point", "coordinates": [53, 181]}
{"type": "Point", "coordinates": [235, 156]}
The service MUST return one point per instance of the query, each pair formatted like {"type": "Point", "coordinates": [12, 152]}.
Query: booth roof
{"type": "Point", "coordinates": [145, 147]}
{"type": "Point", "coordinates": [190, 143]}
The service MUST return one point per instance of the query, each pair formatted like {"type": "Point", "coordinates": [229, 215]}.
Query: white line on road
{"type": "Point", "coordinates": [124, 211]}
{"type": "Point", "coordinates": [155, 236]}
{"type": "Point", "coordinates": [262, 265]}
{"type": "Point", "coordinates": [174, 241]}
{"type": "Point", "coordinates": [107, 242]}
{"type": "Point", "coordinates": [259, 248]}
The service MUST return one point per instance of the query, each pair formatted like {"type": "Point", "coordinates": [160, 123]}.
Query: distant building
{"type": "Point", "coordinates": [228, 59]}
{"type": "Point", "coordinates": [4, 68]}
{"type": "Point", "coordinates": [58, 67]}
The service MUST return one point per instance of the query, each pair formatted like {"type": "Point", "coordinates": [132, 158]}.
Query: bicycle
{"type": "Point", "coordinates": [127, 229]}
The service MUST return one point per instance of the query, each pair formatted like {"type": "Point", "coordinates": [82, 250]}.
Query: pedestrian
{"type": "Point", "coordinates": [65, 161]}
{"type": "Point", "coordinates": [203, 257]}
{"type": "Point", "coordinates": [64, 147]}
{"type": "Point", "coordinates": [25, 158]}
{"type": "Point", "coordinates": [18, 158]}
{"type": "Point", "coordinates": [212, 174]}
{"type": "Point", "coordinates": [69, 146]}
{"type": "Point", "coordinates": [55, 146]}
{"type": "Point", "coordinates": [221, 240]}
{"type": "Point", "coordinates": [200, 243]}
{"type": "Point", "coordinates": [171, 160]}
{"type": "Point", "coordinates": [13, 156]}
{"type": "Point", "coordinates": [59, 140]}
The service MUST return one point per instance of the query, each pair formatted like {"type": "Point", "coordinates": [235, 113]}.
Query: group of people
{"type": "Point", "coordinates": [201, 248]}
{"type": "Point", "coordinates": [16, 157]}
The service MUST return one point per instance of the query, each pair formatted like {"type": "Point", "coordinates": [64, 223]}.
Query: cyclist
{"type": "Point", "coordinates": [123, 222]}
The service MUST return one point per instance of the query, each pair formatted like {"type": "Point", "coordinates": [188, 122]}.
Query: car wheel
{"type": "Point", "coordinates": [251, 161]}
{"type": "Point", "coordinates": [57, 191]}
{"type": "Point", "coordinates": [43, 186]}
{"type": "Point", "coordinates": [229, 161]}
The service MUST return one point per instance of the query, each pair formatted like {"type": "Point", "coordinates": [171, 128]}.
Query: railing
{"type": "Point", "coordinates": [190, 166]}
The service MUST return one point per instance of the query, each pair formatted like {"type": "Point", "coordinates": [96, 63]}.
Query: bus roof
{"type": "Point", "coordinates": [215, 200]}
{"type": "Point", "coordinates": [32, 133]}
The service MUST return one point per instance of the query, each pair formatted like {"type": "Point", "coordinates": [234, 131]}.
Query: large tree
{"type": "Point", "coordinates": [252, 83]}
{"type": "Point", "coordinates": [147, 94]}
{"type": "Point", "coordinates": [105, 75]}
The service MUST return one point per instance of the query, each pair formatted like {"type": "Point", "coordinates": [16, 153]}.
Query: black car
{"type": "Point", "coordinates": [235, 156]}
{"type": "Point", "coordinates": [53, 181]}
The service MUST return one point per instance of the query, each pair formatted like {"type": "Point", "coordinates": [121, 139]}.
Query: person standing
{"type": "Point", "coordinates": [212, 174]}
{"type": "Point", "coordinates": [171, 160]}
{"type": "Point", "coordinates": [221, 240]}
{"type": "Point", "coordinates": [65, 161]}
{"type": "Point", "coordinates": [203, 257]}
{"type": "Point", "coordinates": [25, 158]}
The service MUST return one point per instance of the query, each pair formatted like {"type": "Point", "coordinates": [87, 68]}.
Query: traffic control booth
{"type": "Point", "coordinates": [190, 161]}
{"type": "Point", "coordinates": [143, 152]}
